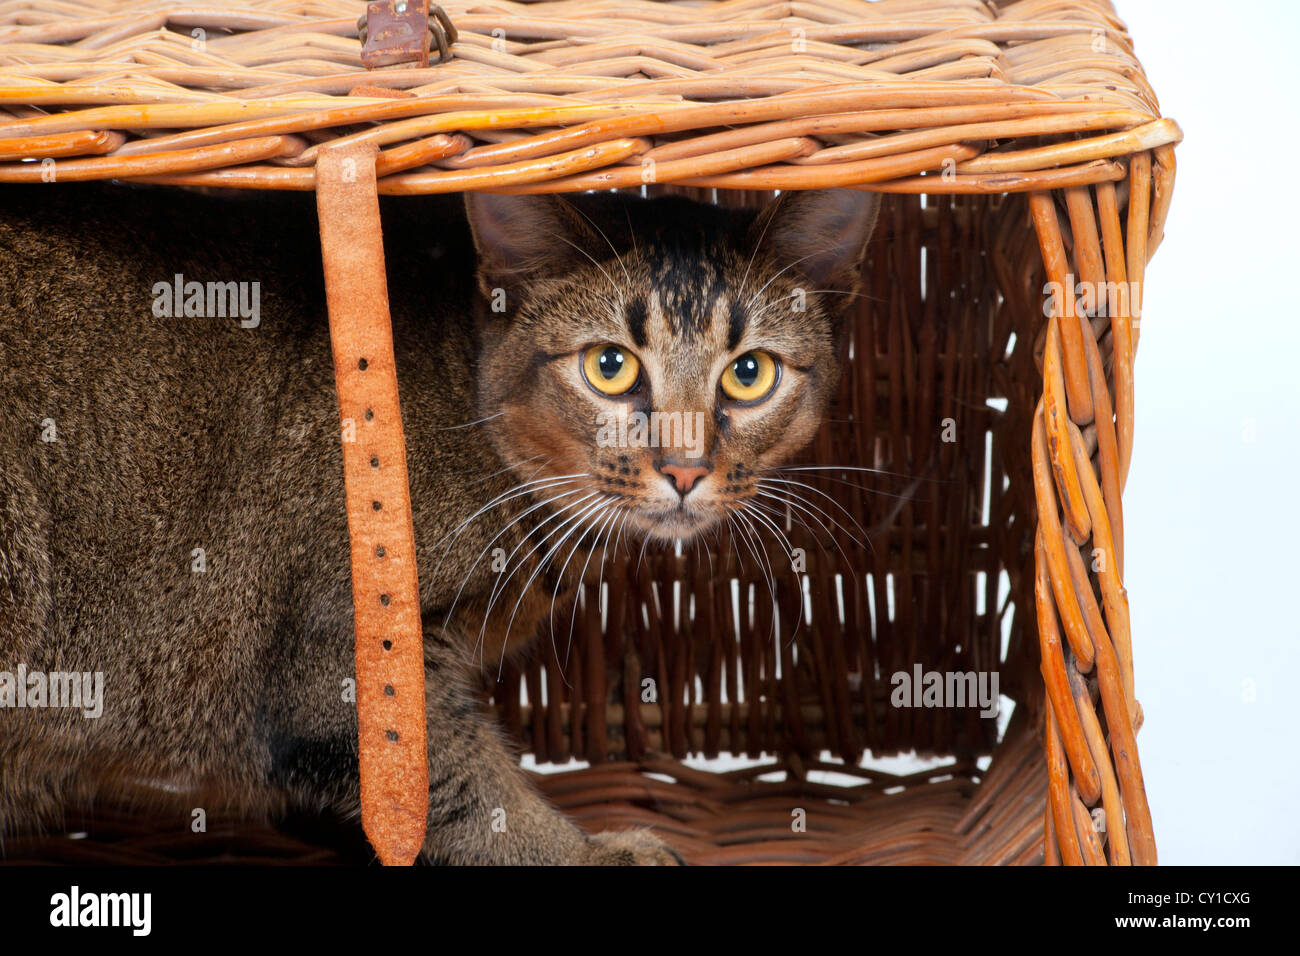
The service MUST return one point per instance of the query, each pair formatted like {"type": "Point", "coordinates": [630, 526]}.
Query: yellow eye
{"type": "Point", "coordinates": [609, 369]}
{"type": "Point", "coordinates": [750, 377]}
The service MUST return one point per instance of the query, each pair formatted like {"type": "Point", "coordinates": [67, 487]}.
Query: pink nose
{"type": "Point", "coordinates": [684, 476]}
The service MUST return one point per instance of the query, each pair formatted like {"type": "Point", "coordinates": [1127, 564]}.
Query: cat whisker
{"type": "Point", "coordinates": [499, 587]}
{"type": "Point", "coordinates": [608, 521]}
{"type": "Point", "coordinates": [749, 508]}
{"type": "Point", "coordinates": [519, 491]}
{"type": "Point", "coordinates": [468, 574]}
{"type": "Point", "coordinates": [868, 471]}
{"type": "Point", "coordinates": [606, 516]}
{"type": "Point", "coordinates": [501, 471]}
{"type": "Point", "coordinates": [617, 257]}
{"type": "Point", "coordinates": [644, 544]}
{"type": "Point", "coordinates": [453, 535]}
{"type": "Point", "coordinates": [792, 504]}
{"type": "Point", "coordinates": [900, 499]}
{"type": "Point", "coordinates": [627, 216]}
{"type": "Point", "coordinates": [754, 541]}
{"type": "Point", "coordinates": [731, 540]}
{"type": "Point", "coordinates": [619, 540]}
{"type": "Point", "coordinates": [600, 584]}
{"type": "Point", "coordinates": [787, 484]}
{"type": "Point", "coordinates": [848, 292]}
{"type": "Point", "coordinates": [758, 515]}
{"type": "Point", "coordinates": [578, 521]}
{"type": "Point", "coordinates": [618, 292]}
{"type": "Point", "coordinates": [707, 553]}
{"type": "Point", "coordinates": [794, 500]}
{"type": "Point", "coordinates": [758, 244]}
{"type": "Point", "coordinates": [509, 494]}
{"type": "Point", "coordinates": [795, 517]}
{"type": "Point", "coordinates": [781, 272]}
{"type": "Point", "coordinates": [503, 577]}
{"type": "Point", "coordinates": [450, 428]}
{"type": "Point", "coordinates": [744, 533]}
{"type": "Point", "coordinates": [787, 513]}
{"type": "Point", "coordinates": [783, 489]}
{"type": "Point", "coordinates": [739, 533]}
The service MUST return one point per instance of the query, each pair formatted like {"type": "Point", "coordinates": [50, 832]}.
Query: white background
{"type": "Point", "coordinates": [1210, 511]}
{"type": "Point", "coordinates": [1212, 537]}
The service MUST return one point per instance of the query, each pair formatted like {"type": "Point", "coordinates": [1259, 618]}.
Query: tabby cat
{"type": "Point", "coordinates": [171, 502]}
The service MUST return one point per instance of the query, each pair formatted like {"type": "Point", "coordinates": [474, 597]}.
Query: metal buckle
{"type": "Point", "coordinates": [394, 32]}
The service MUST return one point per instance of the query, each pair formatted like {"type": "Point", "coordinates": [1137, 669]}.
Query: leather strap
{"type": "Point", "coordinates": [385, 590]}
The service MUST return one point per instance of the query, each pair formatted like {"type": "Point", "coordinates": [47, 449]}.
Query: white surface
{"type": "Point", "coordinates": [1210, 514]}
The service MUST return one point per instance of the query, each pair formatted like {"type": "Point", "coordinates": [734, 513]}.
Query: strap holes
{"type": "Point", "coordinates": [392, 736]}
{"type": "Point", "coordinates": [363, 365]}
{"type": "Point", "coordinates": [388, 690]}
{"type": "Point", "coordinates": [370, 414]}
{"type": "Point", "coordinates": [374, 461]}
{"type": "Point", "coordinates": [388, 645]}
{"type": "Point", "coordinates": [380, 552]}
{"type": "Point", "coordinates": [384, 599]}
{"type": "Point", "coordinates": [376, 505]}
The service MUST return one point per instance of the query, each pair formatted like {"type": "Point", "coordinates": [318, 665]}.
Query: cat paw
{"type": "Point", "coordinates": [630, 848]}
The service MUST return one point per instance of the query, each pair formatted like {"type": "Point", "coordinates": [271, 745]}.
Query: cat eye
{"type": "Point", "coordinates": [610, 370]}
{"type": "Point", "coordinates": [750, 378]}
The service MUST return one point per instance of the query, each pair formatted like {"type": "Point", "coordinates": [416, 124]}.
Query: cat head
{"type": "Point", "coordinates": [649, 361]}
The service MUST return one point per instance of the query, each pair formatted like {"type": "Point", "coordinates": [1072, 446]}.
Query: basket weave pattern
{"type": "Point", "coordinates": [576, 95]}
{"type": "Point", "coordinates": [961, 100]}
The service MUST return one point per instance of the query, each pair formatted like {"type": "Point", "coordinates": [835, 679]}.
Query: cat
{"type": "Point", "coordinates": [171, 503]}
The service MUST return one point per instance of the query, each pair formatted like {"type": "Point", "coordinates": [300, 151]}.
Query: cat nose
{"type": "Point", "coordinates": [684, 476]}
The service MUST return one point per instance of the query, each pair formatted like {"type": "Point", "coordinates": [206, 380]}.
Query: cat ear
{"type": "Point", "coordinates": [518, 236]}
{"type": "Point", "coordinates": [820, 233]}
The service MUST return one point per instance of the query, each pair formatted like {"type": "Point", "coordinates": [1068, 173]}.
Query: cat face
{"type": "Point", "coordinates": [646, 362]}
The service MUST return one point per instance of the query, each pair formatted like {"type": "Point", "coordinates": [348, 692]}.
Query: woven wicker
{"type": "Point", "coordinates": [1023, 145]}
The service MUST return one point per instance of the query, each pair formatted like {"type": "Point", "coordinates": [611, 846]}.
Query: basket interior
{"type": "Point", "coordinates": [927, 560]}
{"type": "Point", "coordinates": [747, 657]}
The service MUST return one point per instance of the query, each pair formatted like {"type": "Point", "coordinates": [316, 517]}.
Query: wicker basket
{"type": "Point", "coordinates": [1021, 146]}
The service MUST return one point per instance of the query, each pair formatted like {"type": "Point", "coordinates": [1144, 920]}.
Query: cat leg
{"type": "Point", "coordinates": [482, 808]}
